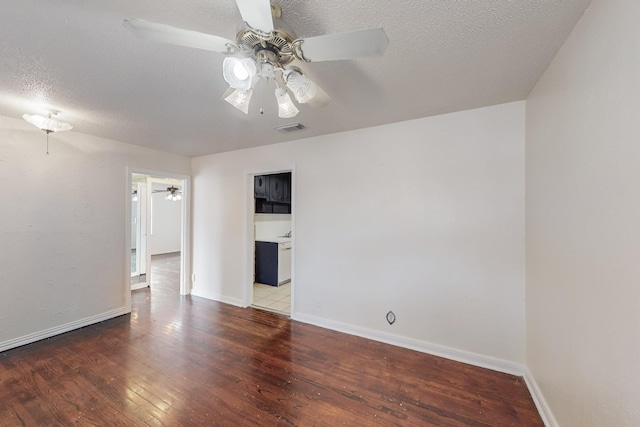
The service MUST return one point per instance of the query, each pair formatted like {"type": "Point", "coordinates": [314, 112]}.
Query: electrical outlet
{"type": "Point", "coordinates": [193, 277]}
{"type": "Point", "coordinates": [391, 317]}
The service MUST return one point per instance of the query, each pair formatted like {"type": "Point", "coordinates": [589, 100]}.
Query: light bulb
{"type": "Point", "coordinates": [239, 72]}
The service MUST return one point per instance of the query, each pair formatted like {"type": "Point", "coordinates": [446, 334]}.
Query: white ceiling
{"type": "Point", "coordinates": [443, 56]}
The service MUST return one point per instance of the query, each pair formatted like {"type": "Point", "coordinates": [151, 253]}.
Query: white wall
{"type": "Point", "coordinates": [425, 218]}
{"type": "Point", "coordinates": [583, 223]}
{"type": "Point", "coordinates": [271, 225]}
{"type": "Point", "coordinates": [166, 219]}
{"type": "Point", "coordinates": [63, 232]}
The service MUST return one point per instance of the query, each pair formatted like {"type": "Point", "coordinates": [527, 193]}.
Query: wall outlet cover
{"type": "Point", "coordinates": [391, 317]}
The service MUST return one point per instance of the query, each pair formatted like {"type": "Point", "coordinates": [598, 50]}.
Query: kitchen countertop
{"type": "Point", "coordinates": [275, 240]}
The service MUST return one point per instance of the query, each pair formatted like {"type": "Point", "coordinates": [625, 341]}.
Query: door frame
{"type": "Point", "coordinates": [247, 297]}
{"type": "Point", "coordinates": [140, 209]}
{"type": "Point", "coordinates": [185, 243]}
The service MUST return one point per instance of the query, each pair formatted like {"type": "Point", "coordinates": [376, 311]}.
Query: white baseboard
{"type": "Point", "coordinates": [413, 344]}
{"type": "Point", "coordinates": [139, 286]}
{"type": "Point", "coordinates": [543, 408]}
{"type": "Point", "coordinates": [57, 330]}
{"type": "Point", "coordinates": [220, 298]}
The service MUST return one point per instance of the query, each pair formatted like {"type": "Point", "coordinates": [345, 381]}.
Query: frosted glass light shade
{"type": "Point", "coordinates": [305, 90]}
{"type": "Point", "coordinates": [240, 99]}
{"type": "Point", "coordinates": [47, 124]}
{"type": "Point", "coordinates": [239, 72]}
{"type": "Point", "coordinates": [286, 107]}
{"type": "Point", "coordinates": [302, 87]}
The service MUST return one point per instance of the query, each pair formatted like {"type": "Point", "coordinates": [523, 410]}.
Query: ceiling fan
{"type": "Point", "coordinates": [264, 51]}
{"type": "Point", "coordinates": [173, 193]}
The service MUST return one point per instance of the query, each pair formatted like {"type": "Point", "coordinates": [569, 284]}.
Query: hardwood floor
{"type": "Point", "coordinates": [189, 361]}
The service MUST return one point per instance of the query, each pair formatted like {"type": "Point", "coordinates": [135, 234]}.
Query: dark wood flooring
{"type": "Point", "coordinates": [190, 361]}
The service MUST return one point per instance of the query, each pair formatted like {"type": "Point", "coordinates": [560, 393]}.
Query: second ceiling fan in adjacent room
{"type": "Point", "coordinates": [173, 193]}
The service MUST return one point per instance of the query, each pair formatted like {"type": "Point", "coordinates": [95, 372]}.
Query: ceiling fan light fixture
{"type": "Point", "coordinates": [240, 99]}
{"type": "Point", "coordinates": [263, 49]}
{"type": "Point", "coordinates": [239, 72]}
{"type": "Point", "coordinates": [286, 107]}
{"type": "Point", "coordinates": [47, 124]}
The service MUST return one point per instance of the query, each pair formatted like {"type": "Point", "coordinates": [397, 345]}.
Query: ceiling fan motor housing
{"type": "Point", "coordinates": [275, 48]}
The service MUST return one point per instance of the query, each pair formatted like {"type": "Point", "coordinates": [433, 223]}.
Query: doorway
{"type": "Point", "coordinates": [139, 231]}
{"type": "Point", "coordinates": [159, 217]}
{"type": "Point", "coordinates": [272, 222]}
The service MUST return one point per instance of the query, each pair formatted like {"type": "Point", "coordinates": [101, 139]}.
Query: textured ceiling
{"type": "Point", "coordinates": [443, 56]}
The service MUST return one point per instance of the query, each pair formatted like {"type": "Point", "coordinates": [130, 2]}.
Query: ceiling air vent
{"type": "Point", "coordinates": [291, 127]}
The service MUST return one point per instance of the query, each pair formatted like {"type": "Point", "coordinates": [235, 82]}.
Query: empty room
{"type": "Point", "coordinates": [246, 212]}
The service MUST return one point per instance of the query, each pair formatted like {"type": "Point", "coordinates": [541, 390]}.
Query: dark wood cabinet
{"type": "Point", "coordinates": [286, 182]}
{"type": "Point", "coordinates": [262, 206]}
{"type": "Point", "coordinates": [273, 193]}
{"type": "Point", "coordinates": [276, 189]}
{"type": "Point", "coordinates": [261, 186]}
{"type": "Point", "coordinates": [267, 263]}
{"type": "Point", "coordinates": [273, 262]}
{"type": "Point", "coordinates": [281, 208]}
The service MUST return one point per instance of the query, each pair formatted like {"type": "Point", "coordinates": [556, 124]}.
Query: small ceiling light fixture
{"type": "Point", "coordinates": [47, 124]}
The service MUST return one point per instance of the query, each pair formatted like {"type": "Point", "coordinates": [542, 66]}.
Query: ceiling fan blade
{"type": "Point", "coordinates": [256, 13]}
{"type": "Point", "coordinates": [356, 44]}
{"type": "Point", "coordinates": [177, 36]}
{"type": "Point", "coordinates": [321, 99]}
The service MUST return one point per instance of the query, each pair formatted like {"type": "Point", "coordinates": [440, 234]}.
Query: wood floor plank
{"type": "Point", "coordinates": [188, 361]}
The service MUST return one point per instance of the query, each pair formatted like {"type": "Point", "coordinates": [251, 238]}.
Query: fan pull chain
{"type": "Point", "coordinates": [48, 143]}
{"type": "Point", "coordinates": [262, 95]}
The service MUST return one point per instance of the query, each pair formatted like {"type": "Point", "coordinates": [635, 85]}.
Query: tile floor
{"type": "Point", "coordinates": [275, 298]}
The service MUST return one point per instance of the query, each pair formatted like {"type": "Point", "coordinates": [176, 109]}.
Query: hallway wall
{"type": "Point", "coordinates": [583, 223]}
{"type": "Point", "coordinates": [62, 234]}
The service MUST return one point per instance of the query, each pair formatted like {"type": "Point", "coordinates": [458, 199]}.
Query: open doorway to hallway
{"type": "Point", "coordinates": [158, 216]}
{"type": "Point", "coordinates": [272, 230]}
